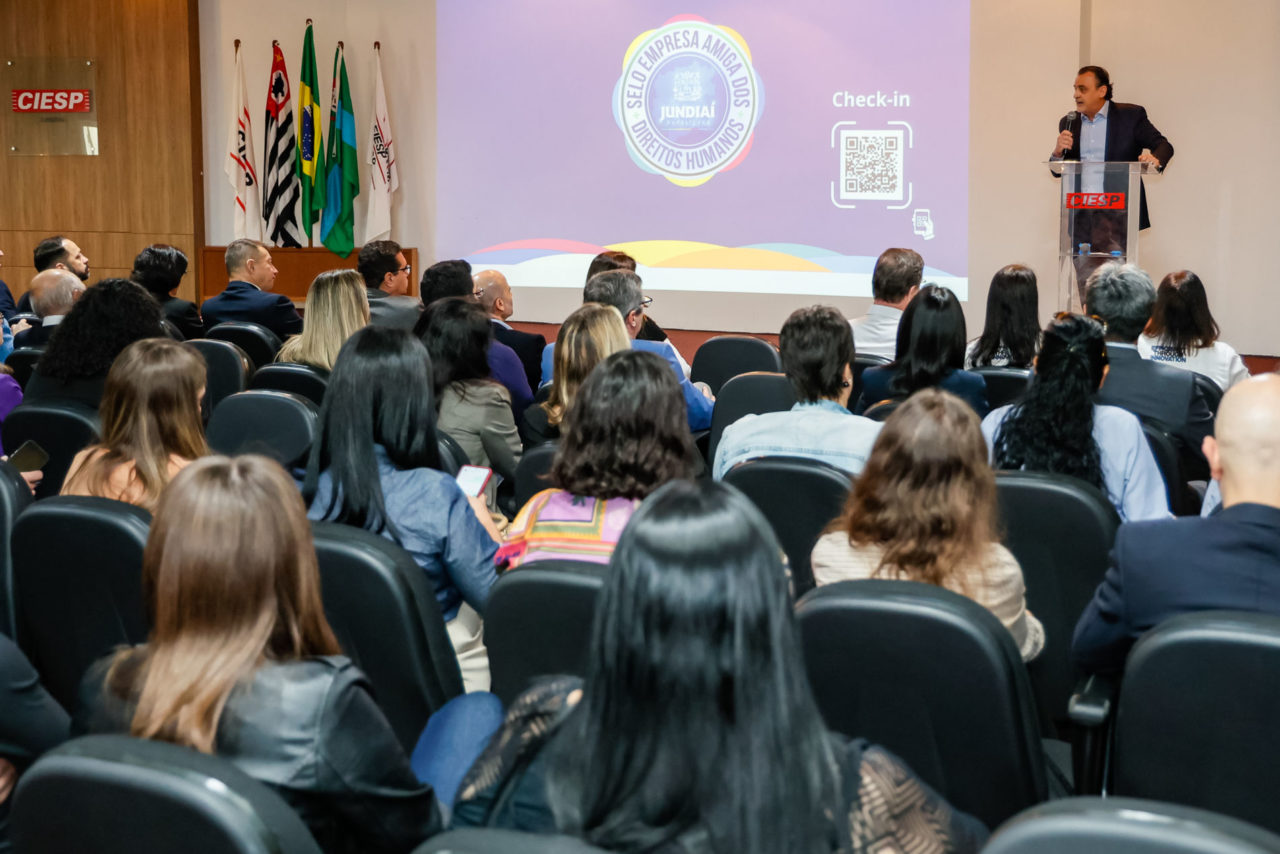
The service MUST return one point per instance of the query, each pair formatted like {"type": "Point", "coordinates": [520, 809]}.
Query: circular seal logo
{"type": "Point", "coordinates": [688, 100]}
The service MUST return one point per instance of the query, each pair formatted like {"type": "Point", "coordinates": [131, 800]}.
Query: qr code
{"type": "Point", "coordinates": [871, 164]}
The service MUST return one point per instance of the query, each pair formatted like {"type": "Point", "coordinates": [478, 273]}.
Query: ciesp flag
{"type": "Point", "coordinates": [240, 168]}
{"type": "Point", "coordinates": [384, 178]}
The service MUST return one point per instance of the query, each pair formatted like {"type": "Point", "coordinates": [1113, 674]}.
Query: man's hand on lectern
{"type": "Point", "coordinates": [1148, 157]}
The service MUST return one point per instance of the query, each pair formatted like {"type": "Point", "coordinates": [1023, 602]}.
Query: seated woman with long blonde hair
{"type": "Point", "coordinates": [151, 424]}
{"type": "Point", "coordinates": [924, 509]}
{"type": "Point", "coordinates": [336, 307]}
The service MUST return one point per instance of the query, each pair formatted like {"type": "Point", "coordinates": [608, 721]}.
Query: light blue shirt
{"type": "Point", "coordinates": [823, 431]}
{"type": "Point", "coordinates": [1093, 148]}
{"type": "Point", "coordinates": [1129, 471]}
{"type": "Point", "coordinates": [6, 339]}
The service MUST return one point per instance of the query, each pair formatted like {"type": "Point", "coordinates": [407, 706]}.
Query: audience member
{"type": "Point", "coordinates": [621, 289]}
{"type": "Point", "coordinates": [588, 336]}
{"type": "Point", "coordinates": [10, 395]}
{"type": "Point", "coordinates": [924, 509]}
{"type": "Point", "coordinates": [56, 253]}
{"type": "Point", "coordinates": [31, 722]}
{"type": "Point", "coordinates": [242, 663]}
{"type": "Point", "coordinates": [1011, 334]}
{"type": "Point", "coordinates": [374, 465]}
{"type": "Point", "coordinates": [1183, 334]}
{"type": "Point", "coordinates": [108, 317]}
{"type": "Point", "coordinates": [1058, 427]}
{"type": "Point", "coordinates": [695, 728]}
{"type": "Point", "coordinates": [1228, 561]}
{"type": "Point", "coordinates": [151, 426]}
{"type": "Point", "coordinates": [625, 437]}
{"type": "Point", "coordinates": [894, 281]}
{"type": "Point", "coordinates": [159, 268]}
{"type": "Point", "coordinates": [247, 296]}
{"type": "Point", "coordinates": [1121, 296]}
{"type": "Point", "coordinates": [7, 306]}
{"type": "Point", "coordinates": [649, 329]}
{"type": "Point", "coordinates": [53, 293]}
{"type": "Point", "coordinates": [474, 408]}
{"type": "Point", "coordinates": [386, 271]}
{"type": "Point", "coordinates": [817, 355]}
{"type": "Point", "coordinates": [931, 343]}
{"type": "Point", "coordinates": [336, 308]}
{"type": "Point", "coordinates": [453, 279]}
{"type": "Point", "coordinates": [495, 296]}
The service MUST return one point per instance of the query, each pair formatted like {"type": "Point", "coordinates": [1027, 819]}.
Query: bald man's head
{"type": "Point", "coordinates": [54, 291]}
{"type": "Point", "coordinates": [1244, 452]}
{"type": "Point", "coordinates": [495, 293]}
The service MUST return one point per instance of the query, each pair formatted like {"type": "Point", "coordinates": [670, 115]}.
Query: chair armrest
{"type": "Point", "coordinates": [1091, 702]}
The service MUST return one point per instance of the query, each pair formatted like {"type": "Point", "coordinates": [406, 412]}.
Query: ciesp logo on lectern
{"type": "Point", "coordinates": [688, 100]}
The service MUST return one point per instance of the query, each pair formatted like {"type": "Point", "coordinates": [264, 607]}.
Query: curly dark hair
{"type": "Point", "coordinates": [1051, 429]}
{"type": "Point", "coordinates": [108, 317]}
{"type": "Point", "coordinates": [626, 432]}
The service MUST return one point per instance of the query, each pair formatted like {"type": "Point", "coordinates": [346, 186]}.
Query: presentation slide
{"type": "Point", "coordinates": [746, 147]}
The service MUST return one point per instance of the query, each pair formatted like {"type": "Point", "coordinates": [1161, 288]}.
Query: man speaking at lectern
{"type": "Point", "coordinates": [1103, 129]}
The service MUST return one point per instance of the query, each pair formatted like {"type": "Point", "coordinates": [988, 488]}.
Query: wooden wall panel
{"type": "Point", "coordinates": [145, 187]}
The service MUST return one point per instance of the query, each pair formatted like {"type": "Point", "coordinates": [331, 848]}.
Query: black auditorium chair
{"type": "Point", "coordinates": [112, 794]}
{"type": "Point", "coordinates": [452, 457]}
{"type": "Point", "coordinates": [799, 497]}
{"type": "Point", "coordinates": [22, 362]}
{"type": "Point", "coordinates": [882, 410]}
{"type": "Point", "coordinates": [1164, 447]}
{"type": "Point", "coordinates": [542, 393]}
{"type": "Point", "coordinates": [257, 341]}
{"type": "Point", "coordinates": [306, 380]}
{"type": "Point", "coordinates": [29, 317]}
{"type": "Point", "coordinates": [1211, 390]}
{"type": "Point", "coordinates": [1061, 530]}
{"type": "Point", "coordinates": [1127, 826]}
{"type": "Point", "coordinates": [172, 330]}
{"type": "Point", "coordinates": [475, 840]}
{"type": "Point", "coordinates": [862, 361]}
{"type": "Point", "coordinates": [384, 611]}
{"type": "Point", "coordinates": [77, 585]}
{"type": "Point", "coordinates": [723, 357]}
{"type": "Point", "coordinates": [1196, 719]}
{"type": "Point", "coordinates": [933, 677]}
{"type": "Point", "coordinates": [15, 496]}
{"type": "Point", "coordinates": [538, 622]}
{"type": "Point", "coordinates": [63, 429]}
{"type": "Point", "coordinates": [1004, 384]}
{"type": "Point", "coordinates": [277, 424]}
{"type": "Point", "coordinates": [227, 370]}
{"type": "Point", "coordinates": [532, 472]}
{"type": "Point", "coordinates": [751, 393]}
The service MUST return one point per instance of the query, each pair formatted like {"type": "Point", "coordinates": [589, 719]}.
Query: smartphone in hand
{"type": "Point", "coordinates": [473, 479]}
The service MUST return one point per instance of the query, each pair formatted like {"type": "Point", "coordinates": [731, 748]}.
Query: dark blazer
{"type": "Point", "coordinates": [24, 304]}
{"type": "Point", "coordinates": [1129, 131]}
{"type": "Point", "coordinates": [528, 347]}
{"type": "Point", "coordinates": [243, 301]}
{"type": "Point", "coordinates": [395, 312]}
{"type": "Point", "coordinates": [31, 721]}
{"type": "Point", "coordinates": [1163, 568]}
{"type": "Point", "coordinates": [966, 385]}
{"type": "Point", "coordinates": [1169, 395]}
{"type": "Point", "coordinates": [36, 336]}
{"type": "Point", "coordinates": [183, 315]}
{"type": "Point", "coordinates": [7, 308]}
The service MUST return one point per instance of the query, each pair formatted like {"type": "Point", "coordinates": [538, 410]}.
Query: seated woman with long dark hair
{"type": "Point", "coordinates": [626, 435]}
{"type": "Point", "coordinates": [375, 465]}
{"type": "Point", "coordinates": [695, 729]}
{"type": "Point", "coordinates": [1012, 329]}
{"type": "Point", "coordinates": [924, 509]}
{"type": "Point", "coordinates": [1056, 427]}
{"type": "Point", "coordinates": [159, 269]}
{"type": "Point", "coordinates": [242, 663]}
{"type": "Point", "coordinates": [151, 427]}
{"type": "Point", "coordinates": [931, 343]}
{"type": "Point", "coordinates": [1183, 333]}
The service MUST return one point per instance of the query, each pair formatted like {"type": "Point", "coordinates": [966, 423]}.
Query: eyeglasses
{"type": "Point", "coordinates": [478, 293]}
{"type": "Point", "coordinates": [645, 302]}
{"type": "Point", "coordinates": [407, 268]}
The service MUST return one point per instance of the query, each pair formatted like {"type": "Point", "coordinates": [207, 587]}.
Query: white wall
{"type": "Point", "coordinates": [1208, 76]}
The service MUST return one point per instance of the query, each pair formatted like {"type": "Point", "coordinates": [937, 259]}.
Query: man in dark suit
{"type": "Point", "coordinates": [386, 283]}
{"type": "Point", "coordinates": [247, 296]}
{"type": "Point", "coordinates": [1122, 297]}
{"type": "Point", "coordinates": [1230, 560]}
{"type": "Point", "coordinates": [53, 292]}
{"type": "Point", "coordinates": [1103, 129]}
{"type": "Point", "coordinates": [495, 295]}
{"type": "Point", "coordinates": [7, 306]}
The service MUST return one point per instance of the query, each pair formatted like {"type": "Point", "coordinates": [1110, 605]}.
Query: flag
{"type": "Point", "coordinates": [384, 178]}
{"type": "Point", "coordinates": [241, 171]}
{"type": "Point", "coordinates": [280, 200]}
{"type": "Point", "coordinates": [310, 142]}
{"type": "Point", "coordinates": [342, 169]}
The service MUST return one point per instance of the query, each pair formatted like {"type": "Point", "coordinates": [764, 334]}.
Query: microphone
{"type": "Point", "coordinates": [1072, 118]}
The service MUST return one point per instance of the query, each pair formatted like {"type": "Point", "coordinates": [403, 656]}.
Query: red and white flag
{"type": "Point", "coordinates": [240, 168]}
{"type": "Point", "coordinates": [383, 176]}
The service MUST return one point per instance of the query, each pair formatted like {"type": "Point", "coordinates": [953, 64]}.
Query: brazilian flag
{"type": "Point", "coordinates": [311, 171]}
{"type": "Point", "coordinates": [342, 175]}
